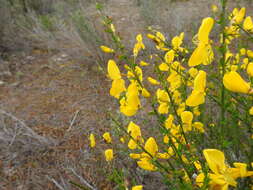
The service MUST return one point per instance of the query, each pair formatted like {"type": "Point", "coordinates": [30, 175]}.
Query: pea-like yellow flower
{"type": "Point", "coordinates": [92, 140]}
{"type": "Point", "coordinates": [108, 155]}
{"type": "Point", "coordinates": [153, 81]}
{"type": "Point", "coordinates": [106, 49]}
{"type": "Point", "coordinates": [193, 72]}
{"type": "Point", "coordinates": [135, 132]}
{"type": "Point", "coordinates": [169, 56]}
{"type": "Point", "coordinates": [151, 147]}
{"type": "Point", "coordinates": [251, 111]}
{"type": "Point", "coordinates": [143, 63]}
{"type": "Point", "coordinates": [205, 29]}
{"type": "Point", "coordinates": [118, 86]}
{"type": "Point", "coordinates": [214, 8]}
{"type": "Point", "coordinates": [234, 82]}
{"type": "Point", "coordinates": [222, 175]}
{"type": "Point", "coordinates": [238, 15]}
{"type": "Point", "coordinates": [164, 67]}
{"type": "Point", "coordinates": [197, 96]}
{"type": "Point", "coordinates": [169, 122]}
{"type": "Point", "coordinates": [250, 69]}
{"type": "Point", "coordinates": [186, 118]}
{"type": "Point", "coordinates": [203, 54]}
{"type": "Point", "coordinates": [137, 187]}
{"type": "Point", "coordinates": [199, 126]}
{"type": "Point", "coordinates": [130, 104]}
{"type": "Point", "coordinates": [177, 41]}
{"type": "Point", "coordinates": [107, 137]}
{"type": "Point", "coordinates": [145, 93]}
{"type": "Point", "coordinates": [113, 70]}
{"type": "Point", "coordinates": [248, 24]}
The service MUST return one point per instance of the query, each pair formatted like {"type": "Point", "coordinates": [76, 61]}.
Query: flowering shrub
{"type": "Point", "coordinates": [201, 97]}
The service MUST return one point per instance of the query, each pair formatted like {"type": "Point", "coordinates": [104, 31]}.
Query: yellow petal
{"type": "Point", "coordinates": [163, 108]}
{"type": "Point", "coordinates": [107, 137]}
{"type": "Point", "coordinates": [169, 56]}
{"type": "Point", "coordinates": [196, 98]}
{"type": "Point", "coordinates": [203, 54]}
{"type": "Point", "coordinates": [205, 29]}
{"type": "Point", "coordinates": [251, 111]}
{"type": "Point", "coordinates": [153, 81]}
{"type": "Point", "coordinates": [137, 187]}
{"type": "Point", "coordinates": [151, 146]}
{"type": "Point", "coordinates": [215, 160]}
{"type": "Point", "coordinates": [113, 70]}
{"type": "Point", "coordinates": [250, 69]}
{"type": "Point", "coordinates": [248, 24]}
{"type": "Point", "coordinates": [200, 81]}
{"type": "Point", "coordinates": [108, 155]}
{"type": "Point", "coordinates": [135, 156]}
{"type": "Point", "coordinates": [92, 140]}
{"type": "Point", "coordinates": [145, 93]}
{"type": "Point", "coordinates": [163, 67]}
{"type": "Point", "coordinates": [186, 117]}
{"type": "Point", "coordinates": [145, 164]}
{"type": "Point", "coordinates": [234, 82]}
{"type": "Point", "coordinates": [143, 63]}
{"type": "Point", "coordinates": [118, 86]}
{"type": "Point", "coordinates": [106, 49]}
{"type": "Point", "coordinates": [169, 121]}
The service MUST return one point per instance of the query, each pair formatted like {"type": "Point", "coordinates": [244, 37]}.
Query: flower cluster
{"type": "Point", "coordinates": [185, 81]}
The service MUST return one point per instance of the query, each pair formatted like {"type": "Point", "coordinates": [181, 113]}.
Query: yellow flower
{"type": "Point", "coordinates": [118, 86]}
{"type": "Point", "coordinates": [177, 41]}
{"type": "Point", "coordinates": [151, 146]}
{"type": "Point", "coordinates": [193, 72]}
{"type": "Point", "coordinates": [169, 56]}
{"type": "Point", "coordinates": [108, 155]}
{"type": "Point", "coordinates": [137, 187]}
{"type": "Point", "coordinates": [197, 96]}
{"type": "Point", "coordinates": [143, 63]}
{"type": "Point", "coordinates": [239, 15]}
{"type": "Point", "coordinates": [251, 111]}
{"type": "Point", "coordinates": [248, 24]}
{"type": "Point", "coordinates": [163, 67]}
{"type": "Point", "coordinates": [107, 137]}
{"type": "Point", "coordinates": [162, 95]}
{"type": "Point", "coordinates": [113, 70]}
{"type": "Point", "coordinates": [92, 140]}
{"type": "Point", "coordinates": [222, 176]}
{"type": "Point", "coordinates": [234, 82]}
{"type": "Point", "coordinates": [153, 81]}
{"type": "Point", "coordinates": [203, 54]}
{"type": "Point", "coordinates": [169, 122]}
{"type": "Point", "coordinates": [214, 8]}
{"type": "Point", "coordinates": [199, 126]}
{"type": "Point", "coordinates": [130, 104]}
{"type": "Point", "coordinates": [205, 29]}
{"type": "Point", "coordinates": [243, 51]}
{"type": "Point", "coordinates": [145, 93]}
{"type": "Point", "coordinates": [145, 163]}
{"type": "Point", "coordinates": [135, 156]}
{"type": "Point", "coordinates": [200, 81]}
{"type": "Point", "coordinates": [250, 69]}
{"type": "Point", "coordinates": [106, 49]}
{"type": "Point", "coordinates": [135, 132]}
{"type": "Point", "coordinates": [122, 140]}
{"type": "Point", "coordinates": [163, 108]}
{"type": "Point", "coordinates": [187, 118]}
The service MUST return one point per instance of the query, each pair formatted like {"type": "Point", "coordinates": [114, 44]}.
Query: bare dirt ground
{"type": "Point", "coordinates": [60, 100]}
